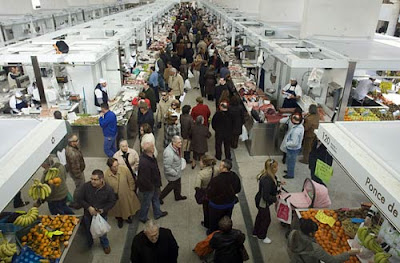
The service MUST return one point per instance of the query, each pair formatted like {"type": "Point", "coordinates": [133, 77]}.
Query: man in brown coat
{"type": "Point", "coordinates": [311, 122]}
{"type": "Point", "coordinates": [75, 165]}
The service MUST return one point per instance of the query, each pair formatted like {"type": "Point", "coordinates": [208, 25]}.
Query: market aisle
{"type": "Point", "coordinates": [184, 217]}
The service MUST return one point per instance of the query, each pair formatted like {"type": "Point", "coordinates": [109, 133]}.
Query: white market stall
{"type": "Point", "coordinates": [26, 143]}
{"type": "Point", "coordinates": [368, 152]}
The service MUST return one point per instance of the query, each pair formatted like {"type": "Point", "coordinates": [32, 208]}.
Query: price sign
{"type": "Point", "coordinates": [324, 219]}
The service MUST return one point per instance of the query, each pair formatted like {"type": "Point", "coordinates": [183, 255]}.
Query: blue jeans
{"type": "Point", "coordinates": [110, 146]}
{"type": "Point", "coordinates": [87, 219]}
{"type": "Point", "coordinates": [59, 207]}
{"type": "Point", "coordinates": [161, 83]}
{"type": "Point", "coordinates": [291, 157]}
{"type": "Point", "coordinates": [147, 198]}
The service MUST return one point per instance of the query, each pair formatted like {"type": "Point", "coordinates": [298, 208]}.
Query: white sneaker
{"type": "Point", "coordinates": [267, 240]}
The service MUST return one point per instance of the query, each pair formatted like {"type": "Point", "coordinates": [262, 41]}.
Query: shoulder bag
{"type": "Point", "coordinates": [201, 194]}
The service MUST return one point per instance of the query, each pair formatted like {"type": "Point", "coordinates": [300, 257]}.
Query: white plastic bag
{"type": "Point", "coordinates": [61, 156]}
{"type": "Point", "coordinates": [99, 226]}
{"type": "Point", "coordinates": [190, 74]}
{"type": "Point", "coordinates": [187, 85]}
{"type": "Point", "coordinates": [245, 135]}
{"type": "Point", "coordinates": [182, 97]}
{"type": "Point", "coordinates": [284, 211]}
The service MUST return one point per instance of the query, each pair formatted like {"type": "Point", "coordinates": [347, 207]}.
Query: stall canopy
{"type": "Point", "coordinates": [26, 143]}
{"type": "Point", "coordinates": [368, 152]}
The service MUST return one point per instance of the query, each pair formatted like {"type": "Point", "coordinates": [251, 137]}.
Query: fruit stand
{"type": "Point", "coordinates": [332, 234]}
{"type": "Point", "coordinates": [367, 153]}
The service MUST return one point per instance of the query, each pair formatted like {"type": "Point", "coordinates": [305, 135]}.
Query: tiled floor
{"type": "Point", "coordinates": [184, 216]}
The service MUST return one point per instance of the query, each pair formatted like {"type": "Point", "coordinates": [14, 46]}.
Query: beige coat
{"type": "Point", "coordinates": [176, 85]}
{"type": "Point", "coordinates": [204, 177]}
{"type": "Point", "coordinates": [122, 183]}
{"type": "Point", "coordinates": [133, 158]}
{"type": "Point", "coordinates": [162, 109]}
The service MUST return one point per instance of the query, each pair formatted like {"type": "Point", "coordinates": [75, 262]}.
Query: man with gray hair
{"type": "Point", "coordinates": [149, 183]}
{"type": "Point", "coordinates": [173, 169]}
{"type": "Point", "coordinates": [154, 244]}
{"type": "Point", "coordinates": [175, 83]}
{"type": "Point", "coordinates": [75, 165]}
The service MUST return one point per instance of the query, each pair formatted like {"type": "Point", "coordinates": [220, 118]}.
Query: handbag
{"type": "Point", "coordinates": [201, 194]}
{"type": "Point", "coordinates": [245, 255]}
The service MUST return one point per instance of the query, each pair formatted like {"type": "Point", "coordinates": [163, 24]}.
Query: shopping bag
{"type": "Point", "coordinates": [245, 135]}
{"type": "Point", "coordinates": [187, 85]}
{"type": "Point", "coordinates": [284, 211]}
{"type": "Point", "coordinates": [190, 74]}
{"type": "Point", "coordinates": [99, 226]}
{"type": "Point", "coordinates": [61, 156]}
{"type": "Point", "coordinates": [182, 97]}
{"type": "Point", "coordinates": [323, 171]}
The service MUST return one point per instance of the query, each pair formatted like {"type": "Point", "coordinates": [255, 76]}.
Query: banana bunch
{"type": "Point", "coordinates": [371, 244]}
{"type": "Point", "coordinates": [51, 174]}
{"type": "Point", "coordinates": [362, 234]}
{"type": "Point", "coordinates": [381, 257]}
{"type": "Point", "coordinates": [28, 218]}
{"type": "Point", "coordinates": [39, 190]}
{"type": "Point", "coordinates": [7, 251]}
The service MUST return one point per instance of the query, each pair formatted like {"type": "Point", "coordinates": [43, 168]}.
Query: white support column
{"type": "Point", "coordinates": [233, 36]}
{"type": "Point", "coordinates": [394, 17]}
{"type": "Point", "coordinates": [152, 31]}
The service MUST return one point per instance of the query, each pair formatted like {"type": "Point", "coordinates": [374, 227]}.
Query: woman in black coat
{"type": "Point", "coordinates": [210, 82]}
{"type": "Point", "coordinates": [199, 136]}
{"type": "Point", "coordinates": [318, 151]}
{"type": "Point", "coordinates": [202, 80]}
{"type": "Point", "coordinates": [266, 196]}
{"type": "Point", "coordinates": [237, 111]}
{"type": "Point", "coordinates": [188, 53]}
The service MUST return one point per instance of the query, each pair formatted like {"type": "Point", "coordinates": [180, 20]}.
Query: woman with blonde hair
{"type": "Point", "coordinates": [207, 172]}
{"type": "Point", "coordinates": [266, 196]}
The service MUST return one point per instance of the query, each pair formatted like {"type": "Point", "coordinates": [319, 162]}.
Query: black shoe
{"type": "Point", "coordinates": [143, 221]}
{"type": "Point", "coordinates": [120, 223]}
{"type": "Point", "coordinates": [181, 198]}
{"type": "Point", "coordinates": [285, 171]}
{"type": "Point", "coordinates": [161, 202]}
{"type": "Point", "coordinates": [22, 204]}
{"type": "Point", "coordinates": [287, 177]}
{"type": "Point", "coordinates": [129, 220]}
{"type": "Point", "coordinates": [162, 215]}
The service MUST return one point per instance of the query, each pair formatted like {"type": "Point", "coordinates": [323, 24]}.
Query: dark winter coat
{"type": "Point", "coordinates": [165, 250]}
{"type": "Point", "coordinates": [267, 190]}
{"type": "Point", "coordinates": [149, 177]}
{"type": "Point", "coordinates": [210, 79]}
{"type": "Point", "coordinates": [318, 153]}
{"type": "Point", "coordinates": [188, 54]}
{"type": "Point", "coordinates": [202, 79]}
{"type": "Point", "coordinates": [218, 91]}
{"type": "Point", "coordinates": [228, 246]}
{"type": "Point", "coordinates": [222, 123]}
{"type": "Point", "coordinates": [200, 134]}
{"type": "Point", "coordinates": [146, 118]}
{"type": "Point", "coordinates": [186, 125]}
{"type": "Point", "coordinates": [223, 188]}
{"type": "Point", "coordinates": [237, 112]}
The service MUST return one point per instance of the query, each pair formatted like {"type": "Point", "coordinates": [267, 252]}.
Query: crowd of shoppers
{"type": "Point", "coordinates": [132, 182]}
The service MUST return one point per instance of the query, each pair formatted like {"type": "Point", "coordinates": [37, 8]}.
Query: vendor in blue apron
{"type": "Point", "coordinates": [17, 102]}
{"type": "Point", "coordinates": [292, 93]}
{"type": "Point", "coordinates": [100, 94]}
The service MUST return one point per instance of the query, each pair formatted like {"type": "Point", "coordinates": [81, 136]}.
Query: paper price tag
{"type": "Point", "coordinates": [323, 218]}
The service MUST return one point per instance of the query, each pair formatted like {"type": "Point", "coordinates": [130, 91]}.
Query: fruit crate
{"type": "Point", "coordinates": [64, 249]}
{"type": "Point", "coordinates": [23, 231]}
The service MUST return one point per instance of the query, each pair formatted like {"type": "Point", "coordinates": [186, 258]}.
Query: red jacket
{"type": "Point", "coordinates": [135, 102]}
{"type": "Point", "coordinates": [203, 110]}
